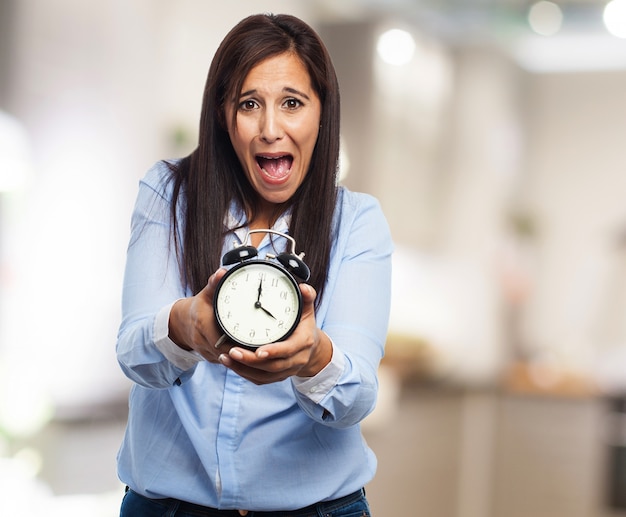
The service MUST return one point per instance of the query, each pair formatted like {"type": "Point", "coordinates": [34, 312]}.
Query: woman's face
{"type": "Point", "coordinates": [277, 123]}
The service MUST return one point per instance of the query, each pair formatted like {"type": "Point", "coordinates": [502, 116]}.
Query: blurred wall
{"type": "Point", "coordinates": [574, 189]}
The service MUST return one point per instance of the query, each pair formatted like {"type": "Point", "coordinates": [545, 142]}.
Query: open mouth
{"type": "Point", "coordinates": [275, 167]}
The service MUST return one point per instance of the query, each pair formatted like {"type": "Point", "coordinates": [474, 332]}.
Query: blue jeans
{"type": "Point", "coordinates": [136, 505]}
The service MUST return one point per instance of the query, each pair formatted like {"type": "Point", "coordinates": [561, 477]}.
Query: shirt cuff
{"type": "Point", "coordinates": [183, 359]}
{"type": "Point", "coordinates": [317, 387]}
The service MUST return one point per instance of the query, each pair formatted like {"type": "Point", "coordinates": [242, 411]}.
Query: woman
{"type": "Point", "coordinates": [227, 430]}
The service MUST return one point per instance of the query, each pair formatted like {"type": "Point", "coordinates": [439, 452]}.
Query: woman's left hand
{"type": "Point", "coordinates": [304, 353]}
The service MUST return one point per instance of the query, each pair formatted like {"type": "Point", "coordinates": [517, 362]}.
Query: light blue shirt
{"type": "Point", "coordinates": [199, 432]}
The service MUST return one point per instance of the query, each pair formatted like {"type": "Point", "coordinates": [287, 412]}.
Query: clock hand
{"type": "Point", "coordinates": [259, 306]}
{"type": "Point", "coordinates": [267, 312]}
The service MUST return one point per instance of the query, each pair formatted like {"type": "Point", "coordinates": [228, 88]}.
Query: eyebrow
{"type": "Point", "coordinates": [286, 89]}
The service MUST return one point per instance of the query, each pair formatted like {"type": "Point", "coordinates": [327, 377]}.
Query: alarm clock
{"type": "Point", "coordinates": [258, 301]}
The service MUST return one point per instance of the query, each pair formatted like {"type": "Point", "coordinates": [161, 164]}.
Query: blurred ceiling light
{"type": "Point", "coordinates": [545, 18]}
{"type": "Point", "coordinates": [396, 47]}
{"type": "Point", "coordinates": [615, 18]}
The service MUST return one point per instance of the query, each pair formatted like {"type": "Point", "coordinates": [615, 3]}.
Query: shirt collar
{"type": "Point", "coordinates": [236, 218]}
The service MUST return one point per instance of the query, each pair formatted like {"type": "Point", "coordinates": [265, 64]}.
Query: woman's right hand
{"type": "Point", "coordinates": [192, 323]}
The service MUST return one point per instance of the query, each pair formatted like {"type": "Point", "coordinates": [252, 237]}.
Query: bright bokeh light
{"type": "Point", "coordinates": [545, 18]}
{"type": "Point", "coordinates": [615, 18]}
{"type": "Point", "coordinates": [396, 47]}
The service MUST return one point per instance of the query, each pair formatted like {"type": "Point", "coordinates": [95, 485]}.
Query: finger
{"type": "Point", "coordinates": [260, 362]}
{"type": "Point", "coordinates": [258, 359]}
{"type": "Point", "coordinates": [254, 375]}
{"type": "Point", "coordinates": [214, 279]}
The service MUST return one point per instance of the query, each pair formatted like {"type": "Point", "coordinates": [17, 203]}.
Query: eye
{"type": "Point", "coordinates": [248, 105]}
{"type": "Point", "coordinates": [292, 103]}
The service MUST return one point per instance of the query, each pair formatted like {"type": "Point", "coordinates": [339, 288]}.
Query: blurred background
{"type": "Point", "coordinates": [493, 132]}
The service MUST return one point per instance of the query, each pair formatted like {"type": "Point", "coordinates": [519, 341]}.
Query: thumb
{"type": "Point", "coordinates": [308, 294]}
{"type": "Point", "coordinates": [214, 279]}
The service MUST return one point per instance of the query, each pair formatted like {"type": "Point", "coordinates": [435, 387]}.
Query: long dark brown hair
{"type": "Point", "coordinates": [211, 176]}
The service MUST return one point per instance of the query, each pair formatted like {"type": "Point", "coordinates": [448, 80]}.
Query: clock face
{"type": "Point", "coordinates": [256, 303]}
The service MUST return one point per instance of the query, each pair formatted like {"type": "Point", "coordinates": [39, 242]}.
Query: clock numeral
{"type": "Point", "coordinates": [268, 332]}
{"type": "Point", "coordinates": [227, 299]}
{"type": "Point", "coordinates": [283, 295]}
{"type": "Point", "coordinates": [281, 324]}
{"type": "Point", "coordinates": [233, 285]}
{"type": "Point", "coordinates": [287, 310]}
{"type": "Point", "coordinates": [236, 327]}
{"type": "Point", "coordinates": [274, 282]}
{"type": "Point", "coordinates": [252, 333]}
{"type": "Point", "coordinates": [262, 276]}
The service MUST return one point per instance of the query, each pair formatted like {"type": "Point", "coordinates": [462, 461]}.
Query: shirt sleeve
{"type": "Point", "coordinates": [318, 386]}
{"type": "Point", "coordinates": [151, 285]}
{"type": "Point", "coordinates": [183, 359]}
{"type": "Point", "coordinates": [354, 313]}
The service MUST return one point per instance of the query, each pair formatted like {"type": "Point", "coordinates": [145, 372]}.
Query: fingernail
{"type": "Point", "coordinates": [262, 354]}
{"type": "Point", "coordinates": [235, 354]}
{"type": "Point", "coordinates": [223, 358]}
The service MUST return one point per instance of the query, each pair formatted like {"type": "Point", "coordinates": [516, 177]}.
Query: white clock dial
{"type": "Point", "coordinates": [257, 302]}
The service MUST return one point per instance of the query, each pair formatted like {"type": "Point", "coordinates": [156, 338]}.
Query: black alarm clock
{"type": "Point", "coordinates": [258, 301]}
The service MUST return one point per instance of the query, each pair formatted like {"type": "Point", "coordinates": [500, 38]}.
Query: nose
{"type": "Point", "coordinates": [271, 128]}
